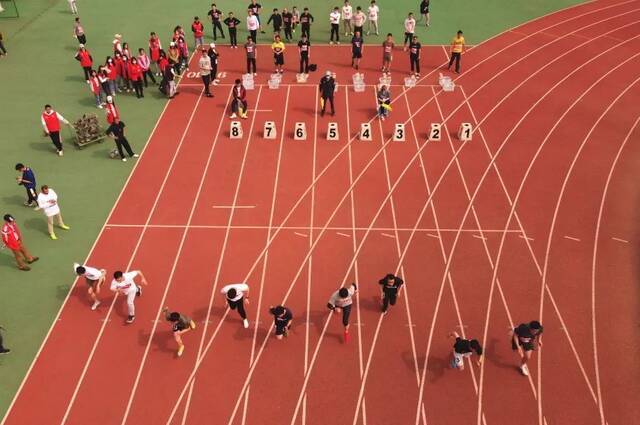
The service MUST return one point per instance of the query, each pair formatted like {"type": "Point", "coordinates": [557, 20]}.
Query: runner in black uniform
{"type": "Point", "coordinates": [304, 47]}
{"type": "Point", "coordinates": [287, 20]}
{"type": "Point", "coordinates": [414, 55]}
{"type": "Point", "coordinates": [390, 288]}
{"type": "Point", "coordinates": [181, 324]}
{"type": "Point", "coordinates": [232, 24]}
{"type": "Point", "coordinates": [527, 336]}
{"type": "Point", "coordinates": [357, 46]}
{"type": "Point", "coordinates": [214, 16]}
{"type": "Point", "coordinates": [282, 318]}
{"type": "Point", "coordinates": [305, 22]}
{"type": "Point", "coordinates": [276, 19]}
{"type": "Point", "coordinates": [464, 348]}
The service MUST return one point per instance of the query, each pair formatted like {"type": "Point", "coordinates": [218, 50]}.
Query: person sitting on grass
{"type": "Point", "coordinates": [384, 102]}
{"type": "Point", "coordinates": [181, 325]}
{"type": "Point", "coordinates": [239, 104]}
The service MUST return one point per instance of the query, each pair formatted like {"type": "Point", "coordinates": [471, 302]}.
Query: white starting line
{"type": "Point", "coordinates": [233, 206]}
{"type": "Point", "coordinates": [572, 238]}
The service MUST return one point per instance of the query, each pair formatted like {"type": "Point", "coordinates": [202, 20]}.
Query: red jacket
{"type": "Point", "coordinates": [94, 83]}
{"type": "Point", "coordinates": [112, 113]}
{"type": "Point", "coordinates": [11, 236]}
{"type": "Point", "coordinates": [85, 58]}
{"type": "Point", "coordinates": [113, 71]}
{"type": "Point", "coordinates": [135, 72]}
{"type": "Point", "coordinates": [198, 29]}
{"type": "Point", "coordinates": [119, 66]}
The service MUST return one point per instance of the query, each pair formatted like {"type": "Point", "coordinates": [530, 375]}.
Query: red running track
{"type": "Point", "coordinates": [533, 219]}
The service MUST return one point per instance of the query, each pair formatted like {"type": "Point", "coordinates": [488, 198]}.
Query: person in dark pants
{"type": "Point", "coordinates": [116, 132]}
{"type": "Point", "coordinates": [86, 61]}
{"type": "Point", "coordinates": [305, 22]}
{"type": "Point", "coordinates": [282, 318]}
{"type": "Point", "coordinates": [287, 20]}
{"type": "Point", "coordinates": [236, 295]}
{"type": "Point", "coordinates": [457, 47]}
{"type": "Point", "coordinates": [276, 19]}
{"type": "Point", "coordinates": [390, 288]}
{"type": "Point", "coordinates": [181, 324]}
{"type": "Point", "coordinates": [215, 15]}
{"type": "Point", "coordinates": [213, 57]}
{"type": "Point", "coordinates": [50, 120]}
{"type": "Point", "coordinates": [304, 47]}
{"type": "Point", "coordinates": [232, 25]}
{"type": "Point", "coordinates": [334, 19]}
{"type": "Point", "coordinates": [464, 348]}
{"type": "Point", "coordinates": [252, 54]}
{"type": "Point", "coordinates": [3, 349]}
{"type": "Point", "coordinates": [414, 55]}
{"type": "Point", "coordinates": [255, 7]}
{"type": "Point", "coordinates": [78, 32]}
{"type": "Point", "coordinates": [527, 336]}
{"type": "Point", "coordinates": [204, 64]}
{"type": "Point", "coordinates": [327, 88]}
{"type": "Point", "coordinates": [424, 11]}
{"type": "Point", "coordinates": [357, 46]}
{"type": "Point", "coordinates": [27, 179]}
{"type": "Point", "coordinates": [342, 299]}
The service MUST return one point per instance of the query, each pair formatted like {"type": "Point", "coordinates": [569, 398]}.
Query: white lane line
{"type": "Point", "coordinates": [343, 234]}
{"type": "Point", "coordinates": [304, 235]}
{"type": "Point", "coordinates": [480, 237]}
{"type": "Point", "coordinates": [620, 240]}
{"type": "Point", "coordinates": [433, 236]}
{"type": "Point", "coordinates": [571, 238]}
{"type": "Point", "coordinates": [525, 237]}
{"type": "Point", "coordinates": [388, 235]}
{"type": "Point", "coordinates": [226, 207]}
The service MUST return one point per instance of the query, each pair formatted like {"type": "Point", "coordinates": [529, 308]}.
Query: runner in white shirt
{"type": "Point", "coordinates": [347, 16]}
{"type": "Point", "coordinates": [334, 19]}
{"type": "Point", "coordinates": [94, 278]}
{"type": "Point", "coordinates": [373, 17]}
{"type": "Point", "coordinates": [236, 294]}
{"type": "Point", "coordinates": [124, 283]}
{"type": "Point", "coordinates": [409, 29]}
{"type": "Point", "coordinates": [48, 203]}
{"type": "Point", "coordinates": [342, 299]}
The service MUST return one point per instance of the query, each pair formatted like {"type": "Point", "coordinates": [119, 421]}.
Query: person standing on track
{"type": "Point", "coordinates": [278, 48]}
{"type": "Point", "coordinates": [215, 15]}
{"type": "Point", "coordinates": [232, 26]}
{"type": "Point", "coordinates": [124, 284]}
{"type": "Point", "coordinates": [205, 71]}
{"type": "Point", "coordinates": [457, 48]}
{"type": "Point", "coordinates": [12, 239]}
{"type": "Point", "coordinates": [327, 88]}
{"type": "Point", "coordinates": [387, 53]}
{"type": "Point", "coordinates": [409, 29]}
{"type": "Point", "coordinates": [282, 319]}
{"type": "Point", "coordinates": [306, 19]}
{"type": "Point", "coordinates": [358, 21]}
{"type": "Point", "coordinates": [287, 20]}
{"type": "Point", "coordinates": [236, 295]}
{"type": "Point", "coordinates": [424, 11]}
{"type": "Point", "coordinates": [384, 102]}
{"type": "Point", "coordinates": [304, 48]}
{"type": "Point", "coordinates": [342, 299]}
{"type": "Point", "coordinates": [252, 54]}
{"type": "Point", "coordinates": [414, 56]}
{"type": "Point", "coordinates": [27, 178]}
{"type": "Point", "coordinates": [347, 16]}
{"type": "Point", "coordinates": [373, 10]}
{"type": "Point", "coordinates": [390, 289]}
{"type": "Point", "coordinates": [116, 132]}
{"type": "Point", "coordinates": [94, 279]}
{"type": "Point", "coordinates": [464, 348]}
{"type": "Point", "coordinates": [181, 325]}
{"type": "Point", "coordinates": [252, 26]}
{"type": "Point", "coordinates": [50, 120]}
{"type": "Point", "coordinates": [198, 32]}
{"type": "Point", "coordinates": [239, 103]}
{"type": "Point", "coordinates": [527, 336]}
{"type": "Point", "coordinates": [357, 47]}
{"type": "Point", "coordinates": [334, 20]}
{"type": "Point", "coordinates": [276, 20]}
{"type": "Point", "coordinates": [213, 58]}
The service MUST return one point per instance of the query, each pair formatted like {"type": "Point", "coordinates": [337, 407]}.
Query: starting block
{"type": "Point", "coordinates": [365, 132]}
{"type": "Point", "coordinates": [269, 130]}
{"type": "Point", "coordinates": [398, 133]}
{"type": "Point", "coordinates": [465, 132]}
{"type": "Point", "coordinates": [300, 131]}
{"type": "Point", "coordinates": [435, 134]}
{"type": "Point", "coordinates": [235, 130]}
{"type": "Point", "coordinates": [332, 131]}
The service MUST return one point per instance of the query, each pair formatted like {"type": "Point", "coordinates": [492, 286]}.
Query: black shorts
{"type": "Point", "coordinates": [278, 59]}
{"type": "Point", "coordinates": [281, 330]}
{"type": "Point", "coordinates": [425, 11]}
{"type": "Point", "coordinates": [526, 346]}
{"type": "Point", "coordinates": [357, 54]}
{"type": "Point", "coordinates": [177, 327]}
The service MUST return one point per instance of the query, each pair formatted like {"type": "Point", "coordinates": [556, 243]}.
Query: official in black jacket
{"type": "Point", "coordinates": [327, 88]}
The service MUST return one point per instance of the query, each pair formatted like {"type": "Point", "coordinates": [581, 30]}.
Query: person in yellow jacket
{"type": "Point", "coordinates": [457, 47]}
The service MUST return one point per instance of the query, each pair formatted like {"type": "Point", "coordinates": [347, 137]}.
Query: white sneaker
{"type": "Point", "coordinates": [95, 305]}
{"type": "Point", "coordinates": [60, 153]}
{"type": "Point", "coordinates": [135, 155]}
{"type": "Point", "coordinates": [233, 116]}
{"type": "Point", "coordinates": [124, 159]}
{"type": "Point", "coordinates": [245, 323]}
{"type": "Point", "coordinates": [524, 369]}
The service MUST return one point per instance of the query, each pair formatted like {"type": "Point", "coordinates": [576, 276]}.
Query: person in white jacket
{"type": "Point", "coordinates": [48, 203]}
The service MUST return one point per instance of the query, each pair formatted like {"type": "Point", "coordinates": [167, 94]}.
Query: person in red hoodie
{"type": "Point", "coordinates": [154, 52]}
{"type": "Point", "coordinates": [112, 73]}
{"type": "Point", "coordinates": [126, 78]}
{"type": "Point", "coordinates": [198, 32]}
{"type": "Point", "coordinates": [12, 239]}
{"type": "Point", "coordinates": [50, 120]}
{"type": "Point", "coordinates": [111, 110]}
{"type": "Point", "coordinates": [96, 88]}
{"type": "Point", "coordinates": [86, 61]}
{"type": "Point", "coordinates": [118, 62]}
{"type": "Point", "coordinates": [135, 75]}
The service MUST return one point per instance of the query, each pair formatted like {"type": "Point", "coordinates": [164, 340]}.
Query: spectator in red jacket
{"type": "Point", "coordinates": [86, 61]}
{"type": "Point", "coordinates": [96, 88]}
{"type": "Point", "coordinates": [12, 239]}
{"type": "Point", "coordinates": [135, 75]}
{"type": "Point", "coordinates": [126, 78]}
{"type": "Point", "coordinates": [154, 52]}
{"type": "Point", "coordinates": [198, 32]}
{"type": "Point", "coordinates": [112, 72]}
{"type": "Point", "coordinates": [50, 120]}
{"type": "Point", "coordinates": [112, 111]}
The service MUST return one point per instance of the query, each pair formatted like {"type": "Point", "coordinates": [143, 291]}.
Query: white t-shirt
{"type": "Point", "coordinates": [410, 25]}
{"type": "Point", "coordinates": [90, 272]}
{"type": "Point", "coordinates": [373, 12]}
{"type": "Point", "coordinates": [252, 23]}
{"type": "Point", "coordinates": [240, 288]}
{"type": "Point", "coordinates": [127, 285]}
{"type": "Point", "coordinates": [334, 17]}
{"type": "Point", "coordinates": [347, 12]}
{"type": "Point", "coordinates": [49, 203]}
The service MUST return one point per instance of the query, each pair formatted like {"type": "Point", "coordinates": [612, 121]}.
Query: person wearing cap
{"type": "Point", "coordinates": [236, 295]}
{"type": "Point", "coordinates": [282, 320]}
{"type": "Point", "coordinates": [253, 24]}
{"type": "Point", "coordinates": [232, 25]}
{"type": "Point", "coordinates": [278, 48]}
{"type": "Point", "coordinates": [125, 284]}
{"type": "Point", "coordinates": [181, 324]}
{"type": "Point", "coordinates": [528, 336]}
{"type": "Point", "coordinates": [48, 202]}
{"type": "Point", "coordinates": [239, 103]}
{"type": "Point", "coordinates": [116, 132]}
{"type": "Point", "coordinates": [213, 58]}
{"type": "Point", "coordinates": [304, 48]}
{"type": "Point", "coordinates": [198, 32]}
{"type": "Point", "coordinates": [252, 53]}
{"type": "Point", "coordinates": [327, 87]}
{"type": "Point", "coordinates": [390, 286]}
{"type": "Point", "coordinates": [12, 239]}
{"type": "Point", "coordinates": [78, 32]}
{"type": "Point", "coordinates": [94, 279]}
{"type": "Point", "coordinates": [50, 120]}
{"type": "Point", "coordinates": [205, 71]}
{"type": "Point", "coordinates": [86, 61]}
{"type": "Point", "coordinates": [342, 300]}
{"type": "Point", "coordinates": [215, 15]}
{"type": "Point", "coordinates": [27, 178]}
